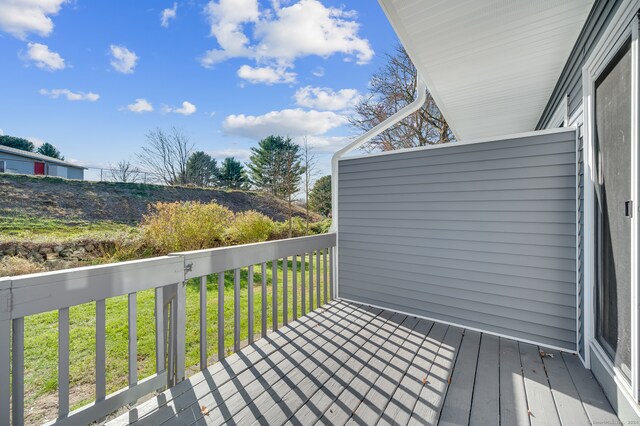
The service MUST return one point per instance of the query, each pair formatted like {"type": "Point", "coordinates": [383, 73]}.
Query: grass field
{"type": "Point", "coordinates": [41, 230]}
{"type": "Point", "coordinates": [41, 338]}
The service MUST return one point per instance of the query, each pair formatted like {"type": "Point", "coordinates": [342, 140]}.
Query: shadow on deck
{"type": "Point", "coordinates": [349, 363]}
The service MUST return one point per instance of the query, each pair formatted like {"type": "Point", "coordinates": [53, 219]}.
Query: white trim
{"type": "Point", "coordinates": [468, 142]}
{"type": "Point", "coordinates": [412, 314]}
{"type": "Point", "coordinates": [620, 29]}
{"type": "Point", "coordinates": [560, 117]}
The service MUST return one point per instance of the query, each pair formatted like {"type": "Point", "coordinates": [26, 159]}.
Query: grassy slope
{"type": "Point", "coordinates": [41, 339]}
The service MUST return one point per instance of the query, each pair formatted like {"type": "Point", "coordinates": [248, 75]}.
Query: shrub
{"type": "Point", "coordinates": [185, 226]}
{"type": "Point", "coordinates": [251, 227]}
{"type": "Point", "coordinates": [11, 266]}
{"type": "Point", "coordinates": [321, 227]}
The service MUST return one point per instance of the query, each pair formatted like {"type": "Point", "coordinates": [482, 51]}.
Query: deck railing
{"type": "Point", "coordinates": [28, 295]}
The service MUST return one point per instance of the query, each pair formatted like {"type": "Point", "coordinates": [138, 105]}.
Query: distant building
{"type": "Point", "coordinates": [22, 162]}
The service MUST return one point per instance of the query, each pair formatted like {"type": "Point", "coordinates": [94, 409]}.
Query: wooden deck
{"type": "Point", "coordinates": [348, 363]}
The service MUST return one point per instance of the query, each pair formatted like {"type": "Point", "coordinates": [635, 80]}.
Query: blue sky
{"type": "Point", "coordinates": [93, 77]}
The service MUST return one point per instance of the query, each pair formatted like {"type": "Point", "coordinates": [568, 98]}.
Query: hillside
{"type": "Point", "coordinates": [123, 203]}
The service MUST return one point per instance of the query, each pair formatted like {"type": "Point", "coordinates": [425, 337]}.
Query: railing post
{"type": "Point", "coordinates": [181, 330]}
{"type": "Point", "coordinates": [5, 353]}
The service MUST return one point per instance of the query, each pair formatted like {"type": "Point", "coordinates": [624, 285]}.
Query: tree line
{"type": "Point", "coordinates": [26, 145]}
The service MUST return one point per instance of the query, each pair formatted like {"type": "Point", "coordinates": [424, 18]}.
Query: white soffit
{"type": "Point", "coordinates": [490, 65]}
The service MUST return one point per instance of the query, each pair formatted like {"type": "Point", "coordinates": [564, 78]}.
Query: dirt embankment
{"type": "Point", "coordinates": [126, 203]}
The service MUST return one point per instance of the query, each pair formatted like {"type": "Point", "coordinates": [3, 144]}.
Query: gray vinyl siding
{"type": "Point", "coordinates": [23, 165]}
{"type": "Point", "coordinates": [570, 82]}
{"type": "Point", "coordinates": [580, 242]}
{"type": "Point", "coordinates": [480, 235]}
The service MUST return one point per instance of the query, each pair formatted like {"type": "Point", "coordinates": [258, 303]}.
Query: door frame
{"type": "Point", "coordinates": [623, 27]}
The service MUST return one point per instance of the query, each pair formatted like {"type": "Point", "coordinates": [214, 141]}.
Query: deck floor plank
{"type": "Point", "coordinates": [457, 405]}
{"type": "Point", "coordinates": [432, 395]}
{"type": "Point", "coordinates": [399, 409]}
{"type": "Point", "coordinates": [349, 363]}
{"type": "Point", "coordinates": [539, 397]}
{"type": "Point", "coordinates": [290, 397]}
{"type": "Point", "coordinates": [485, 408]}
{"type": "Point", "coordinates": [565, 394]}
{"type": "Point", "coordinates": [513, 399]}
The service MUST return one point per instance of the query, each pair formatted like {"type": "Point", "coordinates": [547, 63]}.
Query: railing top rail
{"type": "Point", "coordinates": [210, 261]}
{"type": "Point", "coordinates": [42, 292]}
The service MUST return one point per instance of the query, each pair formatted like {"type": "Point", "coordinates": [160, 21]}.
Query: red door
{"type": "Point", "coordinates": [38, 168]}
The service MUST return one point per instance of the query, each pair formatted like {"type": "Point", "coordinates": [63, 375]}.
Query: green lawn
{"type": "Point", "coordinates": [41, 337]}
{"type": "Point", "coordinates": [38, 229]}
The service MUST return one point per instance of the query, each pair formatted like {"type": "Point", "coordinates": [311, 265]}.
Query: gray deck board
{"type": "Point", "coordinates": [485, 408]}
{"type": "Point", "coordinates": [349, 363]}
{"type": "Point", "coordinates": [513, 399]}
{"type": "Point", "coordinates": [457, 405]}
{"type": "Point", "coordinates": [539, 398]}
{"type": "Point", "coordinates": [565, 394]}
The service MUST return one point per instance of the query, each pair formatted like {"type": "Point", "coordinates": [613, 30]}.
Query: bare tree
{"type": "Point", "coordinates": [166, 154]}
{"type": "Point", "coordinates": [124, 171]}
{"type": "Point", "coordinates": [391, 88]}
{"type": "Point", "coordinates": [309, 162]}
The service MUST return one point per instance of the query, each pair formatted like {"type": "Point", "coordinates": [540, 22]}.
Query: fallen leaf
{"type": "Point", "coordinates": [424, 380]}
{"type": "Point", "coordinates": [204, 410]}
{"type": "Point", "coordinates": [449, 381]}
{"type": "Point", "coordinates": [529, 413]}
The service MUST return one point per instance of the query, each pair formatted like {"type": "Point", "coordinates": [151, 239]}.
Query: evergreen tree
{"type": "Point", "coordinates": [202, 170]}
{"type": "Point", "coordinates": [50, 151]}
{"type": "Point", "coordinates": [232, 174]}
{"type": "Point", "coordinates": [17, 143]}
{"type": "Point", "coordinates": [276, 166]}
{"type": "Point", "coordinates": [320, 196]}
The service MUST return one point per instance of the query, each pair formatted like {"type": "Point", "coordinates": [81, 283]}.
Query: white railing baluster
{"type": "Point", "coordinates": [318, 301]}
{"type": "Point", "coordinates": [5, 365]}
{"type": "Point", "coordinates": [220, 315]}
{"type": "Point", "coordinates": [331, 280]}
{"type": "Point", "coordinates": [133, 339]}
{"type": "Point", "coordinates": [160, 331]}
{"type": "Point", "coordinates": [274, 297]}
{"type": "Point", "coordinates": [324, 278]}
{"type": "Point", "coordinates": [63, 362]}
{"type": "Point", "coordinates": [181, 330]}
{"type": "Point", "coordinates": [310, 281]}
{"type": "Point", "coordinates": [250, 301]}
{"type": "Point", "coordinates": [17, 363]}
{"type": "Point", "coordinates": [295, 286]}
{"type": "Point", "coordinates": [101, 375]}
{"type": "Point", "coordinates": [285, 291]}
{"type": "Point", "coordinates": [303, 283]}
{"type": "Point", "coordinates": [203, 322]}
{"type": "Point", "coordinates": [236, 310]}
{"type": "Point", "coordinates": [264, 300]}
{"type": "Point", "coordinates": [171, 339]}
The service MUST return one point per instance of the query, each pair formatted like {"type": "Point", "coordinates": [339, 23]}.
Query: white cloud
{"type": "Point", "coordinates": [22, 17]}
{"type": "Point", "coordinates": [239, 154]}
{"type": "Point", "coordinates": [326, 144]}
{"type": "Point", "coordinates": [318, 72]}
{"type": "Point", "coordinates": [1, 132]}
{"type": "Point", "coordinates": [122, 59]}
{"type": "Point", "coordinates": [168, 14]}
{"type": "Point", "coordinates": [287, 122]}
{"type": "Point", "coordinates": [326, 99]}
{"type": "Point", "coordinates": [187, 109]}
{"type": "Point", "coordinates": [140, 105]}
{"type": "Point", "coordinates": [268, 75]}
{"type": "Point", "coordinates": [71, 96]}
{"type": "Point", "coordinates": [282, 34]}
{"type": "Point", "coordinates": [43, 57]}
{"type": "Point", "coordinates": [36, 141]}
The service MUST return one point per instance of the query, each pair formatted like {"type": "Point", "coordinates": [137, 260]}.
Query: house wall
{"type": "Point", "coordinates": [22, 165]}
{"type": "Point", "coordinates": [570, 82]}
{"type": "Point", "coordinates": [17, 164]}
{"type": "Point", "coordinates": [481, 235]}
